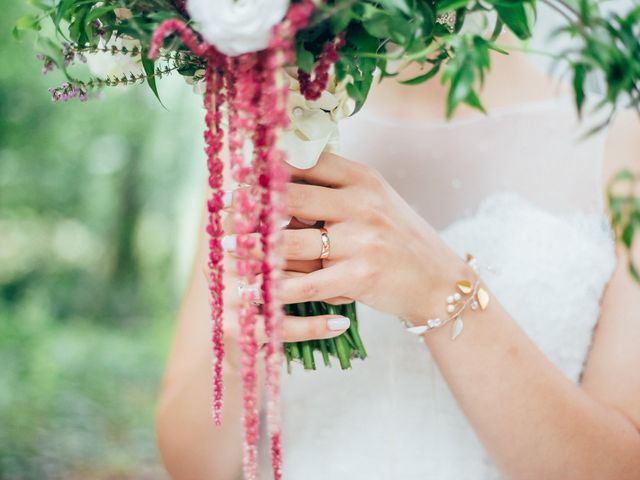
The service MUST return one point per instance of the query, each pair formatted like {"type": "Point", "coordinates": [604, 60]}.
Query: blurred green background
{"type": "Point", "coordinates": [98, 215]}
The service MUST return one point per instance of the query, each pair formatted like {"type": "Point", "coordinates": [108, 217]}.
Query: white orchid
{"type": "Point", "coordinates": [313, 126]}
{"type": "Point", "coordinates": [237, 26]}
{"type": "Point", "coordinates": [104, 64]}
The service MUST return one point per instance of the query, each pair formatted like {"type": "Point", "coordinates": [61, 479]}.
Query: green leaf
{"type": "Point", "coordinates": [460, 89]}
{"type": "Point", "coordinates": [400, 5]}
{"type": "Point", "coordinates": [495, 48]}
{"type": "Point", "coordinates": [473, 101]}
{"type": "Point", "coordinates": [424, 77]}
{"type": "Point", "coordinates": [519, 17]}
{"type": "Point", "coordinates": [428, 20]}
{"type": "Point", "coordinates": [497, 30]}
{"type": "Point", "coordinates": [355, 94]}
{"type": "Point", "coordinates": [382, 25]}
{"type": "Point", "coordinates": [149, 69]}
{"type": "Point", "coordinates": [28, 22]}
{"type": "Point", "coordinates": [62, 11]}
{"type": "Point", "coordinates": [361, 40]}
{"type": "Point", "coordinates": [628, 234]}
{"type": "Point", "coordinates": [98, 12]}
{"type": "Point", "coordinates": [340, 20]}
{"type": "Point", "coordinates": [448, 5]}
{"type": "Point", "coordinates": [304, 58]}
{"type": "Point", "coordinates": [579, 77]}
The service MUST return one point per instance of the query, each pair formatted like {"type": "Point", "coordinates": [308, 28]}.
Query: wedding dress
{"type": "Point", "coordinates": [520, 191]}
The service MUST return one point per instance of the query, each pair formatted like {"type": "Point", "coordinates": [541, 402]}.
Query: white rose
{"type": "Point", "coordinates": [237, 26]}
{"type": "Point", "coordinates": [313, 124]}
{"type": "Point", "coordinates": [106, 64]}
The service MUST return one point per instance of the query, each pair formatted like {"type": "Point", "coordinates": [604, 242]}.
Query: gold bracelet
{"type": "Point", "coordinates": [468, 294]}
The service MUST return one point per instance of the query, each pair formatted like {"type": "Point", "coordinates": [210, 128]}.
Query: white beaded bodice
{"type": "Point", "coordinates": [534, 216]}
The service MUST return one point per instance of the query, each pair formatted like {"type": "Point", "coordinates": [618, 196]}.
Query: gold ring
{"type": "Point", "coordinates": [326, 243]}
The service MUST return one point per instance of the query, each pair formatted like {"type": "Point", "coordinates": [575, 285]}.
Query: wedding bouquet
{"type": "Point", "coordinates": [276, 77]}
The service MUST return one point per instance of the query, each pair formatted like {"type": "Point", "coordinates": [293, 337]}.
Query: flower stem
{"type": "Point", "coordinates": [342, 348]}
{"type": "Point", "coordinates": [345, 347]}
{"type": "Point", "coordinates": [342, 345]}
{"type": "Point", "coordinates": [307, 356]}
{"type": "Point", "coordinates": [325, 352]}
{"type": "Point", "coordinates": [355, 334]}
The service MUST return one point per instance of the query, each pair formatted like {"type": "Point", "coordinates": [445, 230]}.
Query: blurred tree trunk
{"type": "Point", "coordinates": [124, 277]}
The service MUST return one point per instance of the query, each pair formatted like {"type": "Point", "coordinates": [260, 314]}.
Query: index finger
{"type": "Point", "coordinates": [330, 171]}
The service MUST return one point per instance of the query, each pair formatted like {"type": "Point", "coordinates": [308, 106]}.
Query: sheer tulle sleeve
{"type": "Point", "coordinates": [445, 169]}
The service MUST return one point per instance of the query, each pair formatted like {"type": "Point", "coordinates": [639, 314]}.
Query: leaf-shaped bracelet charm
{"type": "Point", "coordinates": [457, 327]}
{"type": "Point", "coordinates": [483, 298]}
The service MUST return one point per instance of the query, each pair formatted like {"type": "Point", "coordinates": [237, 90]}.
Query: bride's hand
{"type": "Point", "coordinates": [294, 329]}
{"type": "Point", "coordinates": [382, 253]}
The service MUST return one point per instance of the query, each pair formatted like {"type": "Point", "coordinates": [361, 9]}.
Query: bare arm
{"type": "Point", "coordinates": [534, 421]}
{"type": "Point", "coordinates": [192, 447]}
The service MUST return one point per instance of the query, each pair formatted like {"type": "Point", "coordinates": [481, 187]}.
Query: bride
{"type": "Point", "coordinates": [541, 384]}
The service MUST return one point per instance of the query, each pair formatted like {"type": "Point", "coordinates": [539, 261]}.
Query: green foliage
{"type": "Point", "coordinates": [517, 16]}
{"type": "Point", "coordinates": [466, 69]}
{"type": "Point", "coordinates": [417, 35]}
{"type": "Point", "coordinates": [610, 47]}
{"type": "Point", "coordinates": [88, 291]}
{"type": "Point", "coordinates": [370, 26]}
{"type": "Point", "coordinates": [623, 194]}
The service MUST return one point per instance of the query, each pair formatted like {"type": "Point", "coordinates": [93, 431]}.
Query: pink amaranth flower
{"type": "Point", "coordinates": [213, 100]}
{"type": "Point", "coordinates": [244, 91]}
{"type": "Point", "coordinates": [312, 89]}
{"type": "Point", "coordinates": [255, 94]}
{"type": "Point", "coordinates": [274, 176]}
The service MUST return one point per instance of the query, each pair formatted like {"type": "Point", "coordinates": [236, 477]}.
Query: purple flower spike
{"type": "Point", "coordinates": [67, 91]}
{"type": "Point", "coordinates": [47, 63]}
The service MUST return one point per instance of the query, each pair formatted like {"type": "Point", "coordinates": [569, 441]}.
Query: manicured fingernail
{"type": "Point", "coordinates": [254, 291]}
{"type": "Point", "coordinates": [228, 243]}
{"type": "Point", "coordinates": [227, 198]}
{"type": "Point", "coordinates": [338, 323]}
{"type": "Point", "coordinates": [306, 222]}
{"type": "Point", "coordinates": [285, 222]}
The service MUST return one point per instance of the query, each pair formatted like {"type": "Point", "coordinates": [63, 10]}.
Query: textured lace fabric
{"type": "Point", "coordinates": [516, 191]}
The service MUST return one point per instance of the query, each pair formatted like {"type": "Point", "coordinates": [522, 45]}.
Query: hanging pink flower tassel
{"type": "Point", "coordinates": [256, 96]}
{"type": "Point", "coordinates": [213, 135]}
{"type": "Point", "coordinates": [273, 179]}
{"type": "Point", "coordinates": [190, 39]}
{"type": "Point", "coordinates": [213, 100]}
{"type": "Point", "coordinates": [214, 140]}
{"type": "Point", "coordinates": [244, 89]}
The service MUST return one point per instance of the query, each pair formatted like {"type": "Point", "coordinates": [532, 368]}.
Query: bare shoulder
{"type": "Point", "coordinates": [611, 374]}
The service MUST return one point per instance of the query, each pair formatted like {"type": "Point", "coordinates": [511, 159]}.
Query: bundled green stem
{"type": "Point", "coordinates": [344, 347]}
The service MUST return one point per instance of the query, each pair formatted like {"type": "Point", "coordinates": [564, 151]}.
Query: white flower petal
{"type": "Point", "coordinates": [327, 101]}
{"type": "Point", "coordinates": [105, 64]}
{"type": "Point", "coordinates": [301, 153]}
{"type": "Point", "coordinates": [314, 124]}
{"type": "Point", "coordinates": [237, 26]}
